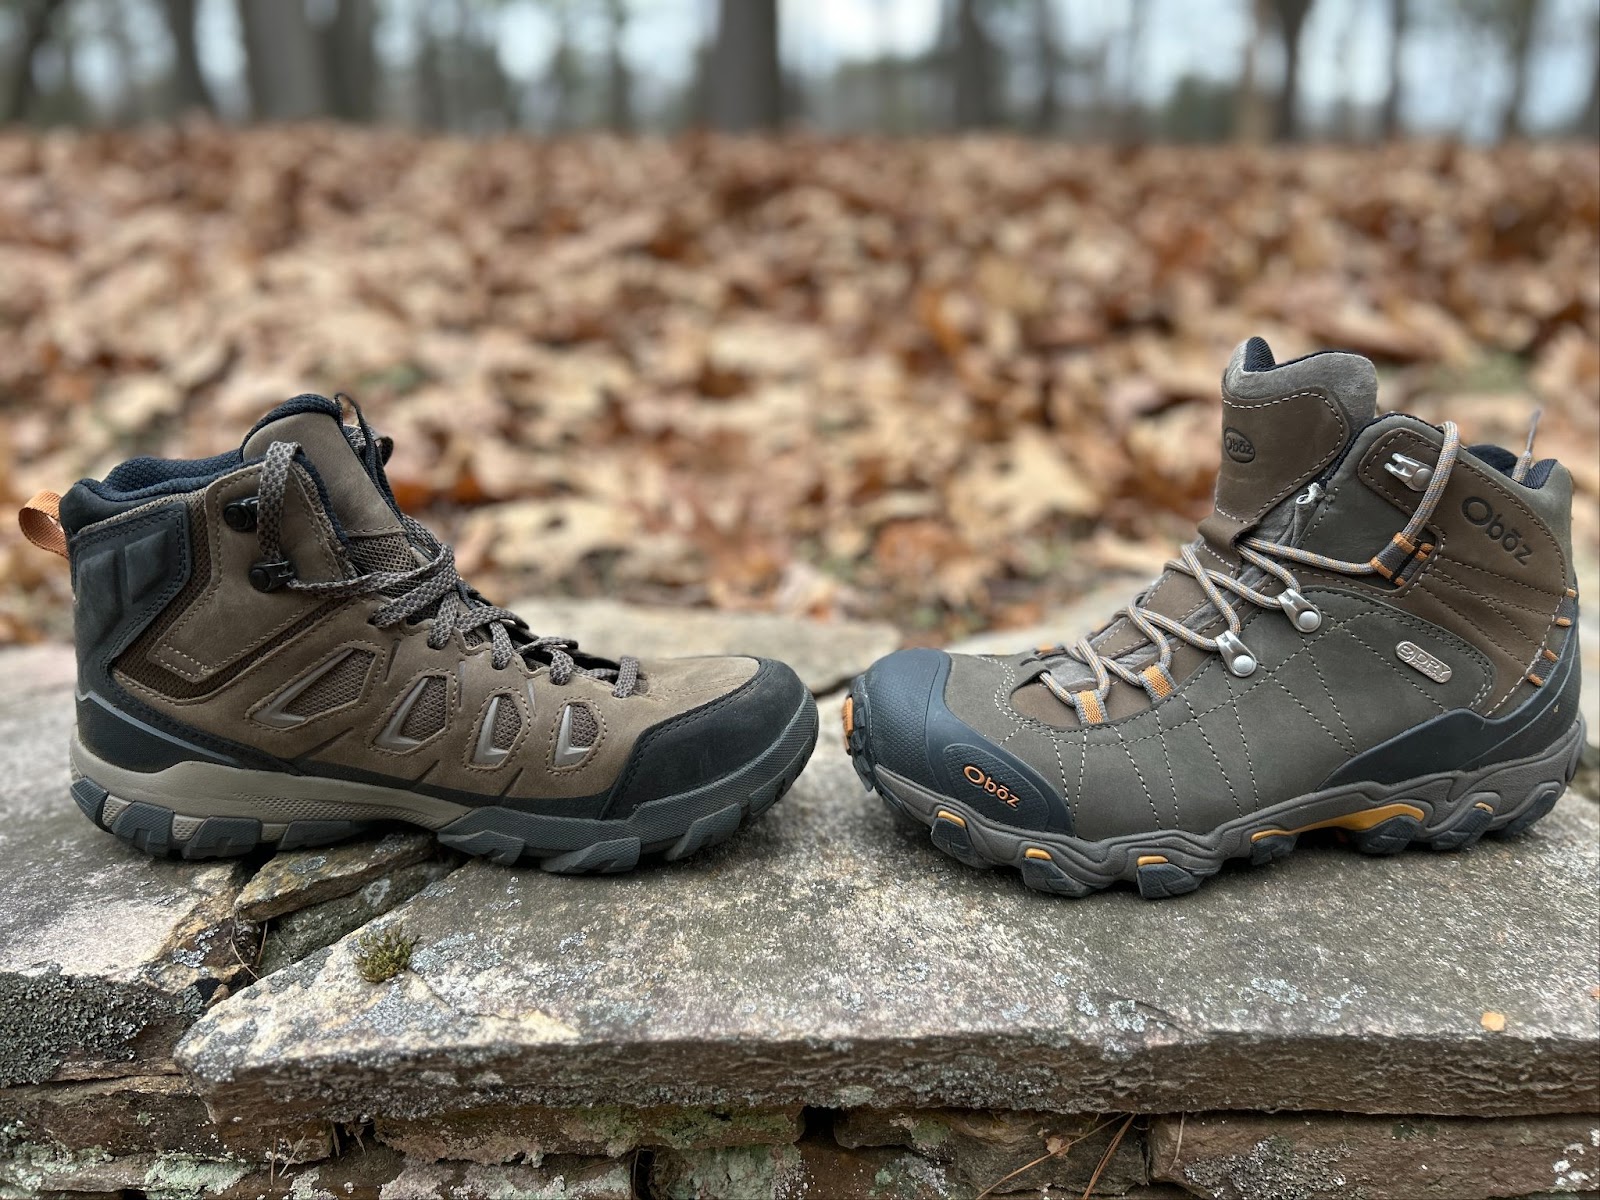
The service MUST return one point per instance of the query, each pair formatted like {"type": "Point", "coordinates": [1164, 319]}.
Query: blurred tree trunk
{"type": "Point", "coordinates": [1291, 16]}
{"type": "Point", "coordinates": [1399, 26]}
{"type": "Point", "coordinates": [350, 61]}
{"type": "Point", "coordinates": [744, 87]}
{"type": "Point", "coordinates": [1589, 120]}
{"type": "Point", "coordinates": [281, 60]}
{"type": "Point", "coordinates": [1522, 17]}
{"type": "Point", "coordinates": [562, 75]}
{"type": "Point", "coordinates": [619, 78]}
{"type": "Point", "coordinates": [188, 83]}
{"type": "Point", "coordinates": [973, 69]}
{"type": "Point", "coordinates": [129, 104]}
{"type": "Point", "coordinates": [429, 76]}
{"type": "Point", "coordinates": [886, 73]}
{"type": "Point", "coordinates": [1047, 108]}
{"type": "Point", "coordinates": [1130, 120]}
{"type": "Point", "coordinates": [36, 16]}
{"type": "Point", "coordinates": [1252, 122]}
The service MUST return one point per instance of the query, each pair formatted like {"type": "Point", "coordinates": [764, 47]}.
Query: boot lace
{"type": "Point", "coordinates": [434, 581]}
{"type": "Point", "coordinates": [1404, 549]}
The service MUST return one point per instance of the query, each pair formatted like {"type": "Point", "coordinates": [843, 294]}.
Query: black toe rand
{"type": "Point", "coordinates": [913, 733]}
{"type": "Point", "coordinates": [720, 736]}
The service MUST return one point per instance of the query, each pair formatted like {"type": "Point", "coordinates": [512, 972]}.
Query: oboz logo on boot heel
{"type": "Point", "coordinates": [1414, 655]}
{"type": "Point", "coordinates": [1482, 514]}
{"type": "Point", "coordinates": [1240, 448]}
{"type": "Point", "coordinates": [978, 778]}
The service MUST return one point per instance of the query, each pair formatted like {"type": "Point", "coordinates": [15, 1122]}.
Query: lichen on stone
{"type": "Point", "coordinates": [383, 954]}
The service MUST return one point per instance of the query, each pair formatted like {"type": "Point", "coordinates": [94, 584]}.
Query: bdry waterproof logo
{"type": "Point", "coordinates": [978, 778]}
{"type": "Point", "coordinates": [1238, 447]}
{"type": "Point", "coordinates": [1414, 655]}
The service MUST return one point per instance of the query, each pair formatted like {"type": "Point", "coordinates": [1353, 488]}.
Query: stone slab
{"type": "Point", "coordinates": [106, 956]}
{"type": "Point", "coordinates": [1003, 1152]}
{"type": "Point", "coordinates": [527, 1133]}
{"type": "Point", "coordinates": [830, 956]}
{"type": "Point", "coordinates": [296, 879]}
{"type": "Point", "coordinates": [1244, 1156]}
{"type": "Point", "coordinates": [289, 938]}
{"type": "Point", "coordinates": [825, 654]}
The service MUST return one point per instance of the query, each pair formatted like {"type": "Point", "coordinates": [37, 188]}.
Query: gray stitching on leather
{"type": "Point", "coordinates": [1334, 704]}
{"type": "Point", "coordinates": [1233, 792]}
{"type": "Point", "coordinates": [1134, 763]}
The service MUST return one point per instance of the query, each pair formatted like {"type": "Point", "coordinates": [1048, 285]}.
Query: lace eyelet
{"type": "Point", "coordinates": [1236, 656]}
{"type": "Point", "coordinates": [1305, 615]}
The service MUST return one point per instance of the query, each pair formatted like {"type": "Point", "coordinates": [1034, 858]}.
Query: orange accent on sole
{"type": "Point", "coordinates": [847, 714]}
{"type": "Point", "coordinates": [1365, 819]}
{"type": "Point", "coordinates": [1572, 593]}
{"type": "Point", "coordinates": [1550, 654]}
{"type": "Point", "coordinates": [1040, 854]}
{"type": "Point", "coordinates": [1564, 622]}
{"type": "Point", "coordinates": [1488, 808]}
{"type": "Point", "coordinates": [942, 815]}
{"type": "Point", "coordinates": [1151, 860]}
{"type": "Point", "coordinates": [1535, 680]}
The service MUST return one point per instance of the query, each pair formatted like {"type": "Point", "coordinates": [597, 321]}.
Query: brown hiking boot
{"type": "Point", "coordinates": [1374, 633]}
{"type": "Point", "coordinates": [269, 651]}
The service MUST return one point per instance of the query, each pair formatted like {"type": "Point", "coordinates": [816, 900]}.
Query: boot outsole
{"type": "Point", "coordinates": [1447, 812]}
{"type": "Point", "coordinates": [668, 829]}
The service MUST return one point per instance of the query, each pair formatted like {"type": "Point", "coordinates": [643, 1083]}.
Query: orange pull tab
{"type": "Point", "coordinates": [40, 519]}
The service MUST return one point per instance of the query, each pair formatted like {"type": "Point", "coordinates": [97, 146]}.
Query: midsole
{"type": "Point", "coordinates": [1438, 800]}
{"type": "Point", "coordinates": [202, 789]}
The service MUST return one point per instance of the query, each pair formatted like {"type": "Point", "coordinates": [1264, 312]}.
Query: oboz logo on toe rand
{"type": "Point", "coordinates": [978, 778]}
{"type": "Point", "coordinates": [1482, 514]}
{"type": "Point", "coordinates": [1239, 448]}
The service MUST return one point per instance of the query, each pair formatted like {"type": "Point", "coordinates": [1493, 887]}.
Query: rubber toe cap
{"type": "Point", "coordinates": [712, 740]}
{"type": "Point", "coordinates": [910, 731]}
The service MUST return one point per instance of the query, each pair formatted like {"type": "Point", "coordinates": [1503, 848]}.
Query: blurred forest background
{"type": "Point", "coordinates": [899, 308]}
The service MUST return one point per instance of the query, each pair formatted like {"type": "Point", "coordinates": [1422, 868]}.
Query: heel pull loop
{"type": "Point", "coordinates": [40, 519]}
{"type": "Point", "coordinates": [1520, 471]}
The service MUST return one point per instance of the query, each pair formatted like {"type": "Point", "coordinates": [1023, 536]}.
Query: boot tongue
{"type": "Point", "coordinates": [1283, 424]}
{"type": "Point", "coordinates": [354, 491]}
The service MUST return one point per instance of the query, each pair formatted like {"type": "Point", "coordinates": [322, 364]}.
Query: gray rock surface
{"type": "Point", "coordinates": [105, 956]}
{"type": "Point", "coordinates": [294, 935]}
{"type": "Point", "coordinates": [825, 654]}
{"type": "Point", "coordinates": [526, 1133]}
{"type": "Point", "coordinates": [832, 957]}
{"type": "Point", "coordinates": [298, 878]}
{"type": "Point", "coordinates": [1003, 1152]}
{"type": "Point", "coordinates": [1245, 1156]}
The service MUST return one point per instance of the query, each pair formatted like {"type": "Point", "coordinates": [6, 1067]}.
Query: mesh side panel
{"type": "Point", "coordinates": [335, 687]}
{"type": "Point", "coordinates": [391, 552]}
{"type": "Point", "coordinates": [507, 723]}
{"type": "Point", "coordinates": [383, 552]}
{"type": "Point", "coordinates": [427, 715]}
{"type": "Point", "coordinates": [584, 727]}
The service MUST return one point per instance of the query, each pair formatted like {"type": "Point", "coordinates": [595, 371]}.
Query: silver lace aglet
{"type": "Point", "coordinates": [1305, 615]}
{"type": "Point", "coordinates": [1236, 655]}
{"type": "Point", "coordinates": [1415, 475]}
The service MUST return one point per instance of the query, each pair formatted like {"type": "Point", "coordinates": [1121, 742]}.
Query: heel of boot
{"type": "Point", "coordinates": [1524, 792]}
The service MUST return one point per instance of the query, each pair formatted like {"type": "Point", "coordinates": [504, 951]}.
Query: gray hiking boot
{"type": "Point", "coordinates": [1374, 633]}
{"type": "Point", "coordinates": [270, 652]}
